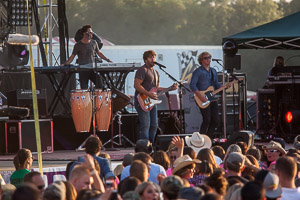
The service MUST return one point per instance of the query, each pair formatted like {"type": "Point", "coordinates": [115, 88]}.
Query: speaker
{"type": "Point", "coordinates": [23, 98]}
{"type": "Point", "coordinates": [162, 142]}
{"type": "Point", "coordinates": [20, 134]}
{"type": "Point", "coordinates": [240, 136]}
{"type": "Point", "coordinates": [232, 62]}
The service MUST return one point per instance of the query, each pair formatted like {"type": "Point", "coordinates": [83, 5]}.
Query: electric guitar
{"type": "Point", "coordinates": [147, 103]}
{"type": "Point", "coordinates": [209, 94]}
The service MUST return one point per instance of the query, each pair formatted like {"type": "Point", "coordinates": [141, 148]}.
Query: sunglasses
{"type": "Point", "coordinates": [40, 187]}
{"type": "Point", "coordinates": [207, 58]}
{"type": "Point", "coordinates": [173, 157]}
{"type": "Point", "coordinates": [271, 151]}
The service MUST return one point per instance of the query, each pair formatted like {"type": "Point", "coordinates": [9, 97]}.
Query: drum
{"type": "Point", "coordinates": [81, 106]}
{"type": "Point", "coordinates": [103, 109]}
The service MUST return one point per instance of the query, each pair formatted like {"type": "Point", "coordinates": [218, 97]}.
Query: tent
{"type": "Point", "coordinates": [283, 33]}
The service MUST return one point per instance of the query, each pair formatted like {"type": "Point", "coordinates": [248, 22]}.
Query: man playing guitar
{"type": "Point", "coordinates": [202, 78]}
{"type": "Point", "coordinates": [146, 83]}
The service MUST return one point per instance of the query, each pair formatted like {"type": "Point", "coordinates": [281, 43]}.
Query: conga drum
{"type": "Point", "coordinates": [81, 106]}
{"type": "Point", "coordinates": [103, 109]}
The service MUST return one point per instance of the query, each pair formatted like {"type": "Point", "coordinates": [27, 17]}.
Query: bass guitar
{"type": "Point", "coordinates": [147, 103]}
{"type": "Point", "coordinates": [209, 94]}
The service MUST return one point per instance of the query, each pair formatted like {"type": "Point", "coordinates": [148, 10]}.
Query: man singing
{"type": "Point", "coordinates": [202, 78]}
{"type": "Point", "coordinates": [145, 79]}
{"type": "Point", "coordinates": [86, 50]}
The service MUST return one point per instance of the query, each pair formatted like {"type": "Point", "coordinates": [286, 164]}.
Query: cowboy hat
{"type": "Point", "coordinates": [275, 145]}
{"type": "Point", "coordinates": [198, 141]}
{"type": "Point", "coordinates": [182, 162]}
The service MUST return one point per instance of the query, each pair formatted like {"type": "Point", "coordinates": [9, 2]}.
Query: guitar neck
{"type": "Point", "coordinates": [164, 91]}
{"type": "Point", "coordinates": [221, 88]}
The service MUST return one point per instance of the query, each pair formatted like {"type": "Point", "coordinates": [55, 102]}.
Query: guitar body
{"type": "Point", "coordinates": [208, 93]}
{"type": "Point", "coordinates": [146, 102]}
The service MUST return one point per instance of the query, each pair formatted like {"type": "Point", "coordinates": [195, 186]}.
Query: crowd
{"type": "Point", "coordinates": [191, 168]}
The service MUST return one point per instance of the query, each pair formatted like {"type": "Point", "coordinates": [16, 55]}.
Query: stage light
{"type": "Point", "coordinates": [288, 117]}
{"type": "Point", "coordinates": [18, 12]}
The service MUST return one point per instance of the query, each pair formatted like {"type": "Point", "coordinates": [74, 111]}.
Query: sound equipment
{"type": "Point", "coordinates": [267, 111]}
{"type": "Point", "coordinates": [240, 136]}
{"type": "Point", "coordinates": [21, 134]}
{"type": "Point", "coordinates": [162, 142]}
{"type": "Point", "coordinates": [23, 98]}
{"type": "Point", "coordinates": [232, 62]}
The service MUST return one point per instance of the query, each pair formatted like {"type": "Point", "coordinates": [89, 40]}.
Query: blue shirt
{"type": "Point", "coordinates": [155, 169]}
{"type": "Point", "coordinates": [201, 79]}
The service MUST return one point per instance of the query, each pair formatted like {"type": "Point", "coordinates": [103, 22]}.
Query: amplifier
{"type": "Point", "coordinates": [20, 134]}
{"type": "Point", "coordinates": [23, 98]}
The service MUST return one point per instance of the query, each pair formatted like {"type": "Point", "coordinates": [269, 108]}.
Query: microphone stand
{"type": "Point", "coordinates": [180, 97]}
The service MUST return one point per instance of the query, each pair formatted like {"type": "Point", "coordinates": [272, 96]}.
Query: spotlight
{"type": "Point", "coordinates": [18, 12]}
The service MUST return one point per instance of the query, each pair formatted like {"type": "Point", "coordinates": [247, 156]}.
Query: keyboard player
{"type": "Point", "coordinates": [86, 50]}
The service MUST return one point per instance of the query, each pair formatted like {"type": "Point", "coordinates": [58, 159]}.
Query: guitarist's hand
{"type": "Point", "coordinates": [174, 86]}
{"type": "Point", "coordinates": [153, 95]}
{"type": "Point", "coordinates": [228, 85]}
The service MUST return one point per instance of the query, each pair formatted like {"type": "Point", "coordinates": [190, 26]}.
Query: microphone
{"type": "Point", "coordinates": [160, 65]}
{"type": "Point", "coordinates": [216, 59]}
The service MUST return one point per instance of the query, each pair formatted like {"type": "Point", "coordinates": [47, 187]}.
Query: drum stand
{"type": "Point", "coordinates": [120, 135]}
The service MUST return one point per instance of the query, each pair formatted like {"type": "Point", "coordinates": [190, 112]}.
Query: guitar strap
{"type": "Point", "coordinates": [156, 77]}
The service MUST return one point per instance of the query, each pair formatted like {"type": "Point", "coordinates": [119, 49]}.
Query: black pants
{"type": "Point", "coordinates": [84, 78]}
{"type": "Point", "coordinates": [210, 117]}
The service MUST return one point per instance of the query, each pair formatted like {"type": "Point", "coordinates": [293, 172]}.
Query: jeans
{"type": "Point", "coordinates": [148, 122]}
{"type": "Point", "coordinates": [93, 76]}
{"type": "Point", "coordinates": [210, 117]}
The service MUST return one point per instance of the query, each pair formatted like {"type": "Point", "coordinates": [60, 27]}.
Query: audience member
{"type": "Point", "coordinates": [6, 191]}
{"type": "Point", "coordinates": [212, 196]}
{"type": "Point", "coordinates": [131, 195]}
{"type": "Point", "coordinates": [36, 179]}
{"type": "Point", "coordinates": [219, 151]}
{"type": "Point", "coordinates": [286, 169]}
{"type": "Point", "coordinates": [191, 193]}
{"type": "Point", "coordinates": [87, 194]}
{"type": "Point", "coordinates": [231, 190]}
{"type": "Point", "coordinates": [230, 149]}
{"type": "Point", "coordinates": [272, 187]}
{"type": "Point", "coordinates": [208, 155]}
{"type": "Point", "coordinates": [22, 161]}
{"type": "Point", "coordinates": [148, 190]}
{"type": "Point", "coordinates": [202, 171]}
{"type": "Point", "coordinates": [184, 167]}
{"type": "Point", "coordinates": [160, 157]}
{"type": "Point", "coordinates": [243, 146]}
{"type": "Point", "coordinates": [55, 191]}
{"type": "Point", "coordinates": [171, 186]}
{"type": "Point", "coordinates": [235, 164]}
{"type": "Point", "coordinates": [248, 171]}
{"type": "Point", "coordinates": [142, 148]}
{"type": "Point", "coordinates": [139, 170]}
{"type": "Point", "coordinates": [93, 147]}
{"type": "Point", "coordinates": [175, 150]}
{"type": "Point", "coordinates": [189, 151]}
{"type": "Point", "coordinates": [253, 191]}
{"type": "Point", "coordinates": [127, 160]}
{"type": "Point", "coordinates": [217, 181]}
{"type": "Point", "coordinates": [26, 191]}
{"type": "Point", "coordinates": [128, 184]}
{"type": "Point", "coordinates": [273, 150]}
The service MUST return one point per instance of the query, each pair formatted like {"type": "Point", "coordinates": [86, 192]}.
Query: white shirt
{"type": "Point", "coordinates": [290, 194]}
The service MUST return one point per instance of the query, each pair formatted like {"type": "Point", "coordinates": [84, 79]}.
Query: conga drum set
{"type": "Point", "coordinates": [97, 106]}
{"type": "Point", "coordinates": [85, 103]}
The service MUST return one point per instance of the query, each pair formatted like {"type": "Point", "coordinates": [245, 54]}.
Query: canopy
{"type": "Point", "coordinates": [283, 33]}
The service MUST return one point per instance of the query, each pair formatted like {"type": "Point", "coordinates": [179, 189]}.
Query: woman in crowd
{"type": "Point", "coordinates": [273, 150]}
{"type": "Point", "coordinates": [23, 162]}
{"type": "Point", "coordinates": [160, 157]}
{"type": "Point", "coordinates": [202, 171]}
{"type": "Point", "coordinates": [148, 191]}
{"type": "Point", "coordinates": [184, 167]}
{"type": "Point", "coordinates": [208, 155]}
{"type": "Point", "coordinates": [230, 149]}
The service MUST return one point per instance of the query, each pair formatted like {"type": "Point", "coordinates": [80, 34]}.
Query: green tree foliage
{"type": "Point", "coordinates": [163, 22]}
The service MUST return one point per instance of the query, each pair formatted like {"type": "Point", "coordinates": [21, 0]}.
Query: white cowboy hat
{"type": "Point", "coordinates": [198, 141]}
